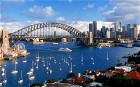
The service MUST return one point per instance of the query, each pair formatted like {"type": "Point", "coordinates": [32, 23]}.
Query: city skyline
{"type": "Point", "coordinates": [67, 11]}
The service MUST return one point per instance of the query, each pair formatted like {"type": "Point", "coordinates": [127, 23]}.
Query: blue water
{"type": "Point", "coordinates": [45, 50]}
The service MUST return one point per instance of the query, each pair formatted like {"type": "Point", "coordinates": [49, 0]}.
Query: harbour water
{"type": "Point", "coordinates": [56, 61]}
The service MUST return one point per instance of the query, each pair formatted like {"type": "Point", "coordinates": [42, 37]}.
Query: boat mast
{"type": "Point", "coordinates": [71, 68]}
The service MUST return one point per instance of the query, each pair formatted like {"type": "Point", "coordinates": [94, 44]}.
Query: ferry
{"type": "Point", "coordinates": [65, 49]}
{"type": "Point", "coordinates": [54, 43]}
{"type": "Point", "coordinates": [128, 45]}
{"type": "Point", "coordinates": [101, 45]}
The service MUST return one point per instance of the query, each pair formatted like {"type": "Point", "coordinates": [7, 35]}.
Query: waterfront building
{"type": "Point", "coordinates": [64, 40]}
{"type": "Point", "coordinates": [125, 68]}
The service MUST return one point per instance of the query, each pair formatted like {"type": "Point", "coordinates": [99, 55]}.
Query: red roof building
{"type": "Point", "coordinates": [133, 75]}
{"type": "Point", "coordinates": [78, 80]}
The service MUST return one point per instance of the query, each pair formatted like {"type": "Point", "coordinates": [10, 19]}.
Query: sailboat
{"type": "Point", "coordinates": [16, 62]}
{"type": "Point", "coordinates": [32, 77]}
{"type": "Point", "coordinates": [3, 73]}
{"type": "Point", "coordinates": [82, 58]}
{"type": "Point", "coordinates": [62, 57]}
{"type": "Point", "coordinates": [14, 71]}
{"type": "Point", "coordinates": [107, 58]}
{"type": "Point", "coordinates": [47, 66]}
{"type": "Point", "coordinates": [69, 56]}
{"type": "Point", "coordinates": [24, 61]}
{"type": "Point", "coordinates": [37, 57]}
{"type": "Point", "coordinates": [5, 79]}
{"type": "Point", "coordinates": [71, 68]}
{"type": "Point", "coordinates": [50, 71]}
{"type": "Point", "coordinates": [92, 60]}
{"type": "Point", "coordinates": [37, 65]}
{"type": "Point", "coordinates": [43, 63]}
{"type": "Point", "coordinates": [21, 79]}
{"type": "Point", "coordinates": [31, 70]}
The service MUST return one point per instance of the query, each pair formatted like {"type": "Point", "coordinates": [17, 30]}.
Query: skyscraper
{"type": "Point", "coordinates": [135, 26]}
{"type": "Point", "coordinates": [116, 28]}
{"type": "Point", "coordinates": [128, 33]}
{"type": "Point", "coordinates": [108, 33]}
{"type": "Point", "coordinates": [123, 34]}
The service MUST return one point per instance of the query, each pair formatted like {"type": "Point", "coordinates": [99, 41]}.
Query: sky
{"type": "Point", "coordinates": [16, 14]}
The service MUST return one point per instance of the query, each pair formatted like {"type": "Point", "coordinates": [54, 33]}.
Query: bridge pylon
{"type": "Point", "coordinates": [4, 42]}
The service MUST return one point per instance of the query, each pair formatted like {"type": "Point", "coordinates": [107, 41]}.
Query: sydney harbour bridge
{"type": "Point", "coordinates": [38, 31]}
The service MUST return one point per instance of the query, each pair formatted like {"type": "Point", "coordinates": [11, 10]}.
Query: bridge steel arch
{"type": "Point", "coordinates": [25, 32]}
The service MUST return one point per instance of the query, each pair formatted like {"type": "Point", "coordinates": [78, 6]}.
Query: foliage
{"type": "Point", "coordinates": [111, 68]}
{"type": "Point", "coordinates": [134, 58]}
{"type": "Point", "coordinates": [121, 81]}
{"type": "Point", "coordinates": [138, 69]}
{"type": "Point", "coordinates": [71, 75]}
{"type": "Point", "coordinates": [64, 81]}
{"type": "Point", "coordinates": [51, 81]}
{"type": "Point", "coordinates": [37, 85]}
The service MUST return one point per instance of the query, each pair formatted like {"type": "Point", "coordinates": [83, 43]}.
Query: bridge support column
{"type": "Point", "coordinates": [4, 42]}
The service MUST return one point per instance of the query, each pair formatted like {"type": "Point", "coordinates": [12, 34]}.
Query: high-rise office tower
{"type": "Point", "coordinates": [116, 28]}
{"type": "Point", "coordinates": [123, 34]}
{"type": "Point", "coordinates": [103, 31]}
{"type": "Point", "coordinates": [128, 32]}
{"type": "Point", "coordinates": [135, 31]}
{"type": "Point", "coordinates": [91, 29]}
{"type": "Point", "coordinates": [108, 33]}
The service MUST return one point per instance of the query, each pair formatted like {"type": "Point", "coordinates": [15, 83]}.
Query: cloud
{"type": "Point", "coordinates": [89, 6]}
{"type": "Point", "coordinates": [11, 26]}
{"type": "Point", "coordinates": [60, 19]}
{"type": "Point", "coordinates": [15, 1]}
{"type": "Point", "coordinates": [127, 11]}
{"type": "Point", "coordinates": [100, 9]}
{"type": "Point", "coordinates": [40, 12]}
{"type": "Point", "coordinates": [69, 1]}
{"type": "Point", "coordinates": [80, 25]}
{"type": "Point", "coordinates": [6, 19]}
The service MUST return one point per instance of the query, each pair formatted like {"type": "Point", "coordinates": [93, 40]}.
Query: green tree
{"type": "Point", "coordinates": [71, 75]}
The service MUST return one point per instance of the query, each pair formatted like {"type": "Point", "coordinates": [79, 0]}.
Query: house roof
{"type": "Point", "coordinates": [133, 75]}
{"type": "Point", "coordinates": [79, 80]}
{"type": "Point", "coordinates": [116, 72]}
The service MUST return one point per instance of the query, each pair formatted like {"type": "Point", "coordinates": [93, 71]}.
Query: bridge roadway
{"type": "Point", "coordinates": [43, 37]}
